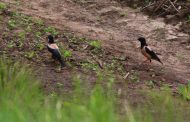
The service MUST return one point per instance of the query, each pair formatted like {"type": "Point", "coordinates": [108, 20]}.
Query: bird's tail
{"type": "Point", "coordinates": [159, 61]}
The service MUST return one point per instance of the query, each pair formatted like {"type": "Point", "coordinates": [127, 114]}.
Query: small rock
{"type": "Point", "coordinates": [188, 47]}
{"type": "Point", "coordinates": [171, 37]}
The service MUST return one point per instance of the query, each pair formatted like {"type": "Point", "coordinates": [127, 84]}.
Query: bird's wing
{"type": "Point", "coordinates": [57, 54]}
{"type": "Point", "coordinates": [152, 53]}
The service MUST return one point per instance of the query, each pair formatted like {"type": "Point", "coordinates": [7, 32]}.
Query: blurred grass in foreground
{"type": "Point", "coordinates": [22, 100]}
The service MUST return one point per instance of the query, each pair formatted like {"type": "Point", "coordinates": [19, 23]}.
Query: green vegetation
{"type": "Point", "coordinates": [66, 53]}
{"type": "Point", "coordinates": [188, 17]}
{"type": "Point", "coordinates": [12, 24]}
{"type": "Point", "coordinates": [151, 83]}
{"type": "Point", "coordinates": [184, 90]}
{"type": "Point", "coordinates": [25, 33]}
{"type": "Point", "coordinates": [124, 14]}
{"type": "Point", "coordinates": [22, 36]}
{"type": "Point", "coordinates": [50, 30]}
{"type": "Point", "coordinates": [23, 101]}
{"type": "Point", "coordinates": [20, 94]}
{"type": "Point", "coordinates": [38, 22]}
{"type": "Point", "coordinates": [38, 34]}
{"type": "Point", "coordinates": [30, 54]}
{"type": "Point", "coordinates": [116, 65]}
{"type": "Point", "coordinates": [2, 6]}
{"type": "Point", "coordinates": [96, 44]}
{"type": "Point", "coordinates": [10, 44]}
{"type": "Point", "coordinates": [162, 107]}
{"type": "Point", "coordinates": [147, 1]}
{"type": "Point", "coordinates": [179, 55]}
{"type": "Point", "coordinates": [40, 46]}
{"type": "Point", "coordinates": [134, 76]}
{"type": "Point", "coordinates": [95, 47]}
{"type": "Point", "coordinates": [89, 65]}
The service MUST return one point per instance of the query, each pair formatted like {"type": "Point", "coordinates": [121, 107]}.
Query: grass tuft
{"type": "Point", "coordinates": [184, 90]}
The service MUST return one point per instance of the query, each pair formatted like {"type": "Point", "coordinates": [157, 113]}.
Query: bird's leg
{"type": "Point", "coordinates": [145, 60]}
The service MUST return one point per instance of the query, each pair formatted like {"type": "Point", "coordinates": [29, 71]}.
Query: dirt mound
{"type": "Point", "coordinates": [173, 12]}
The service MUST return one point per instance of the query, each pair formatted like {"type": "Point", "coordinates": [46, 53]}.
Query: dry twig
{"type": "Point", "coordinates": [173, 5]}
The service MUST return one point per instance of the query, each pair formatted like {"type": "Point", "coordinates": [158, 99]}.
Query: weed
{"type": "Point", "coordinates": [74, 40]}
{"type": "Point", "coordinates": [116, 66]}
{"type": "Point", "coordinates": [98, 18]}
{"type": "Point", "coordinates": [11, 44]}
{"type": "Point", "coordinates": [53, 94]}
{"type": "Point", "coordinates": [96, 44]}
{"type": "Point", "coordinates": [82, 39]}
{"type": "Point", "coordinates": [147, 2]}
{"type": "Point", "coordinates": [2, 6]}
{"type": "Point", "coordinates": [89, 65]}
{"type": "Point", "coordinates": [188, 18]}
{"type": "Point", "coordinates": [151, 83]}
{"type": "Point", "coordinates": [124, 14]}
{"type": "Point", "coordinates": [15, 14]}
{"type": "Point", "coordinates": [134, 76]}
{"type": "Point", "coordinates": [40, 46]}
{"type": "Point", "coordinates": [184, 90]}
{"type": "Point", "coordinates": [179, 55]}
{"type": "Point", "coordinates": [38, 34]}
{"type": "Point", "coordinates": [66, 53]}
{"type": "Point", "coordinates": [28, 28]}
{"type": "Point", "coordinates": [20, 44]}
{"type": "Point", "coordinates": [30, 54]}
{"type": "Point", "coordinates": [38, 22]}
{"type": "Point", "coordinates": [96, 47]}
{"type": "Point", "coordinates": [22, 36]}
{"type": "Point", "coordinates": [5, 35]}
{"type": "Point", "coordinates": [165, 87]}
{"type": "Point", "coordinates": [112, 64]}
{"type": "Point", "coordinates": [59, 84]}
{"type": "Point", "coordinates": [12, 24]}
{"type": "Point", "coordinates": [51, 30]}
{"type": "Point", "coordinates": [158, 29]}
{"type": "Point", "coordinates": [25, 20]}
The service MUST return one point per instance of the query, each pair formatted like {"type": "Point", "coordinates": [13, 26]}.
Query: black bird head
{"type": "Point", "coordinates": [50, 39]}
{"type": "Point", "coordinates": [143, 41]}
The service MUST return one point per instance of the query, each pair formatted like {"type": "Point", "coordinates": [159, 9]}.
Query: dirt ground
{"type": "Point", "coordinates": [118, 28]}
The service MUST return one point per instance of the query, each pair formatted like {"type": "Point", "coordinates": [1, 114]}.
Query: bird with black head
{"type": "Point", "coordinates": [147, 51]}
{"type": "Point", "coordinates": [54, 50]}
